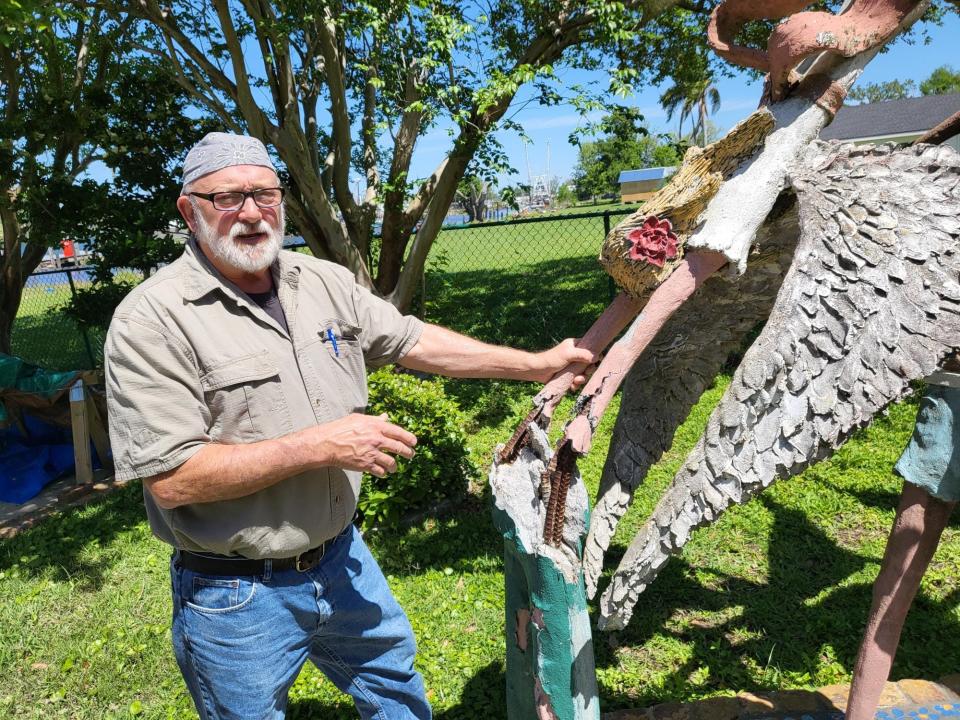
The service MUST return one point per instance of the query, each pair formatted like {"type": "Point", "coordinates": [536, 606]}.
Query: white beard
{"type": "Point", "coordinates": [237, 255]}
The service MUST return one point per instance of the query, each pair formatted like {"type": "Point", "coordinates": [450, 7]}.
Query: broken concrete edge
{"type": "Point", "coordinates": [905, 694]}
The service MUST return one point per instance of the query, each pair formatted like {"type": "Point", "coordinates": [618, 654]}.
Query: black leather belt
{"type": "Point", "coordinates": [234, 566]}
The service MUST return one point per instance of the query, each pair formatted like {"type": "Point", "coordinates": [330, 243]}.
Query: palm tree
{"type": "Point", "coordinates": [695, 101]}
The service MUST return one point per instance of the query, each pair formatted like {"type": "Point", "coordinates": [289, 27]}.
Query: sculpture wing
{"type": "Point", "coordinates": [677, 367]}
{"type": "Point", "coordinates": [870, 303]}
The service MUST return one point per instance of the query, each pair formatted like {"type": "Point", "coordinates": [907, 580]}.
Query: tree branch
{"type": "Point", "coordinates": [167, 24]}
{"type": "Point", "coordinates": [368, 129]}
{"type": "Point", "coordinates": [333, 64]}
{"type": "Point", "coordinates": [248, 107]}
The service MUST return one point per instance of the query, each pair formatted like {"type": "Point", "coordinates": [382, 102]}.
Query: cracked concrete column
{"type": "Point", "coordinates": [550, 666]}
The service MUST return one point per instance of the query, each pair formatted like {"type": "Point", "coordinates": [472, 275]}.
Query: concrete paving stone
{"type": "Point", "coordinates": [671, 711]}
{"type": "Point", "coordinates": [718, 708]}
{"type": "Point", "coordinates": [627, 715]}
{"type": "Point", "coordinates": [751, 703]}
{"type": "Point", "coordinates": [924, 692]}
{"type": "Point", "coordinates": [892, 696]}
{"type": "Point", "coordinates": [835, 696]}
{"type": "Point", "coordinates": [796, 701]}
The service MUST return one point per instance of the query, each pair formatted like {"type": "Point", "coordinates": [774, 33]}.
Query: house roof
{"type": "Point", "coordinates": [891, 117]}
{"type": "Point", "coordinates": [654, 173]}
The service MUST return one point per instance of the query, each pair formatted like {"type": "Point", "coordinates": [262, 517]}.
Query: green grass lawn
{"type": "Point", "coordinates": [774, 595]}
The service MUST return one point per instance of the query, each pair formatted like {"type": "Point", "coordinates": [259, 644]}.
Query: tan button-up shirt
{"type": "Point", "coordinates": [191, 360]}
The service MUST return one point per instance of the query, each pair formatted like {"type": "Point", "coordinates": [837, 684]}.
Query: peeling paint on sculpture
{"type": "Point", "coordinates": [550, 665]}
{"type": "Point", "coordinates": [728, 203]}
{"type": "Point", "coordinates": [729, 225]}
{"type": "Point", "coordinates": [865, 25]}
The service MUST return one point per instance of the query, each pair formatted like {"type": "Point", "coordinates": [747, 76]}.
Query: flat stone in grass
{"type": "Point", "coordinates": [904, 700]}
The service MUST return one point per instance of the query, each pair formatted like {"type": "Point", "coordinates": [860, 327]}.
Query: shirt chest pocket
{"type": "Point", "coordinates": [246, 400]}
{"type": "Point", "coordinates": [337, 357]}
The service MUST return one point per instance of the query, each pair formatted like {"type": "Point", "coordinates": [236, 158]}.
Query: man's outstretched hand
{"type": "Point", "coordinates": [565, 356]}
{"type": "Point", "coordinates": [367, 443]}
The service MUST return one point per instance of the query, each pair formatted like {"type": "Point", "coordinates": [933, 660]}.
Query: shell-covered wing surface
{"type": "Point", "coordinates": [678, 366]}
{"type": "Point", "coordinates": [871, 302]}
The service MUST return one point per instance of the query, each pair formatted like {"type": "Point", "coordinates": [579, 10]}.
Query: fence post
{"type": "Point", "coordinates": [83, 330]}
{"type": "Point", "coordinates": [611, 285]}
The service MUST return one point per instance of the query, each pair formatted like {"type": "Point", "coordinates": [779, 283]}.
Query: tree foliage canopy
{"type": "Point", "coordinates": [626, 145]}
{"type": "Point", "coordinates": [344, 90]}
{"type": "Point", "coordinates": [944, 80]}
{"type": "Point", "coordinates": [78, 103]}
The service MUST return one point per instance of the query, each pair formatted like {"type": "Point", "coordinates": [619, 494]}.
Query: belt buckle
{"type": "Point", "coordinates": [309, 559]}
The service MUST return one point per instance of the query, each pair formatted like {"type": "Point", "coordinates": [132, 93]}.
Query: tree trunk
{"type": "Point", "coordinates": [392, 249]}
{"type": "Point", "coordinates": [16, 271]}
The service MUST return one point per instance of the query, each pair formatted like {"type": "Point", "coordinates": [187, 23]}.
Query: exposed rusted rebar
{"type": "Point", "coordinates": [519, 440]}
{"type": "Point", "coordinates": [557, 479]}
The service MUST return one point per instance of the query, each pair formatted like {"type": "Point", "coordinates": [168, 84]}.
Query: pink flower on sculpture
{"type": "Point", "coordinates": [653, 242]}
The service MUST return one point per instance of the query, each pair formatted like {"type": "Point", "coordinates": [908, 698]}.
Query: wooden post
{"type": "Point", "coordinates": [98, 433]}
{"type": "Point", "coordinates": [80, 423]}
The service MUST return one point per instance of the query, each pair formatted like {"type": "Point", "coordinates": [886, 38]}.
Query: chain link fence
{"type": "Point", "coordinates": [527, 282]}
{"type": "Point", "coordinates": [44, 334]}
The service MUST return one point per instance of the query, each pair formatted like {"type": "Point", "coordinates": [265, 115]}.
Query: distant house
{"type": "Point", "coordinates": [638, 185]}
{"type": "Point", "coordinates": [899, 121]}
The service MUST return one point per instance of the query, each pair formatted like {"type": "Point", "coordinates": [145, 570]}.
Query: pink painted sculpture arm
{"type": "Point", "coordinates": [596, 395]}
{"type": "Point", "coordinates": [866, 24]}
{"type": "Point", "coordinates": [913, 540]}
{"type": "Point", "coordinates": [613, 319]}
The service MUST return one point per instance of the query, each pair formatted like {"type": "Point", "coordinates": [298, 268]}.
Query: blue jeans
{"type": "Point", "coordinates": [241, 641]}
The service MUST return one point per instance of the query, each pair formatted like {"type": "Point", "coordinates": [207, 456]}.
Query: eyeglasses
{"type": "Point", "coordinates": [234, 199]}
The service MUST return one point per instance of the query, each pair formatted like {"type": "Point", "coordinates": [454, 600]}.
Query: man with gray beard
{"type": "Point", "coordinates": [237, 390]}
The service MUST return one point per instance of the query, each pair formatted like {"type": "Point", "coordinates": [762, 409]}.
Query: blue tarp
{"type": "Point", "coordinates": [29, 463]}
{"type": "Point", "coordinates": [39, 452]}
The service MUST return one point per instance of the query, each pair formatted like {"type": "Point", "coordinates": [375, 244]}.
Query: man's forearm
{"type": "Point", "coordinates": [224, 472]}
{"type": "Point", "coordinates": [449, 353]}
{"type": "Point", "coordinates": [363, 443]}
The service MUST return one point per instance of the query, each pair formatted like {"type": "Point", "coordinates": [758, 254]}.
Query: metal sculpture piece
{"type": "Point", "coordinates": [778, 210]}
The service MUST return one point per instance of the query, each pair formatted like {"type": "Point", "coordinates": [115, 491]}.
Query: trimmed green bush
{"type": "Point", "coordinates": [441, 468]}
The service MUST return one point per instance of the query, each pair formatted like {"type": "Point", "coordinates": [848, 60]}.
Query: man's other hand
{"type": "Point", "coordinates": [565, 356]}
{"type": "Point", "coordinates": [364, 442]}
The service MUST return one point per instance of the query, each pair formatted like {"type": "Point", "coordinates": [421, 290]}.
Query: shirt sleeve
{"type": "Point", "coordinates": [157, 415]}
{"type": "Point", "coordinates": [387, 334]}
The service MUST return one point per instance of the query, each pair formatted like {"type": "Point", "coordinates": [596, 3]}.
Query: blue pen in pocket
{"type": "Point", "coordinates": [333, 341]}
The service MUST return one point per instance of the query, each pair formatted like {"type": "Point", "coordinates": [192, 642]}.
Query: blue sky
{"type": "Point", "coordinates": [738, 95]}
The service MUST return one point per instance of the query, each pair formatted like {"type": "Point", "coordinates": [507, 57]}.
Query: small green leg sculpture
{"type": "Point", "coordinates": [550, 665]}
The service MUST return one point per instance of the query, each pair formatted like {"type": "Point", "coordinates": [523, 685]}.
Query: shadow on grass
{"type": "Point", "coordinates": [57, 544]}
{"type": "Point", "coordinates": [466, 541]}
{"type": "Point", "coordinates": [802, 617]}
{"type": "Point", "coordinates": [881, 500]}
{"type": "Point", "coordinates": [484, 696]}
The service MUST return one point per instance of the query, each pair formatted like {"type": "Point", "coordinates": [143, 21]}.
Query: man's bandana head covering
{"type": "Point", "coordinates": [219, 150]}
